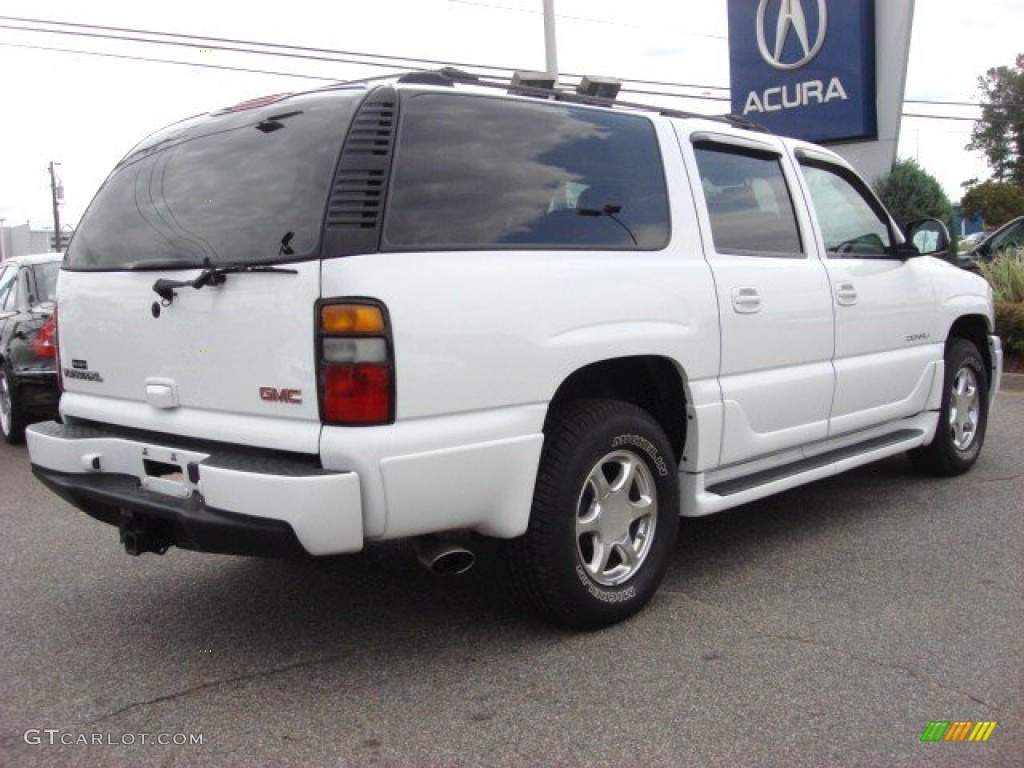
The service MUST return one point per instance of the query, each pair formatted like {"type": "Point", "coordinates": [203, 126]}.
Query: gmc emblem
{"type": "Point", "coordinates": [274, 395]}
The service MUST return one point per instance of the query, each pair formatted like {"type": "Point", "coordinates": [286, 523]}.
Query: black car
{"type": "Point", "coordinates": [1010, 235]}
{"type": "Point", "coordinates": [28, 342]}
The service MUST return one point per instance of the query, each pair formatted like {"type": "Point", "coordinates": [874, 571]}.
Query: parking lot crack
{"type": "Point", "coordinates": [817, 644]}
{"type": "Point", "coordinates": [212, 684]}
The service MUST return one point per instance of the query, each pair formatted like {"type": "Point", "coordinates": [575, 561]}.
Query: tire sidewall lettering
{"type": "Point", "coordinates": [604, 595]}
{"type": "Point", "coordinates": [645, 445]}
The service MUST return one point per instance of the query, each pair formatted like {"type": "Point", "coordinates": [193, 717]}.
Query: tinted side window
{"type": "Point", "coordinates": [748, 200]}
{"type": "Point", "coordinates": [478, 172]}
{"type": "Point", "coordinates": [1012, 237]}
{"type": "Point", "coordinates": [849, 222]}
{"type": "Point", "coordinates": [46, 281]}
{"type": "Point", "coordinates": [9, 303]}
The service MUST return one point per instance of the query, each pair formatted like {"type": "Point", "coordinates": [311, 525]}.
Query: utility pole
{"type": "Point", "coordinates": [56, 203]}
{"type": "Point", "coordinates": [550, 46]}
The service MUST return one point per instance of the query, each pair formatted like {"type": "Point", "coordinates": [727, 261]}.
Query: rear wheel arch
{"type": "Point", "coordinates": [652, 383]}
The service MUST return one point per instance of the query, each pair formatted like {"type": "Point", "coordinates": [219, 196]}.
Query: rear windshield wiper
{"type": "Point", "coordinates": [212, 276]}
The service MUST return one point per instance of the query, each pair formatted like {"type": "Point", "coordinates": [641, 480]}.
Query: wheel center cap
{"type": "Point", "coordinates": [616, 516]}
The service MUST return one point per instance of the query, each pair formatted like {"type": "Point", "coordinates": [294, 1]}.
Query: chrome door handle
{"type": "Point", "coordinates": [846, 294]}
{"type": "Point", "coordinates": [746, 300]}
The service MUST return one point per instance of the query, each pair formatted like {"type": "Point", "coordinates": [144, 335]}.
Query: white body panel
{"type": "Point", "coordinates": [198, 368]}
{"type": "Point", "coordinates": [482, 341]}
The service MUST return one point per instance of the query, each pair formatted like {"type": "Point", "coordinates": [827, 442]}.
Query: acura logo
{"type": "Point", "coordinates": [791, 21]}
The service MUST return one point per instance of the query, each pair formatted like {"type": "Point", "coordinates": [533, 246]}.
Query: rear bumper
{"type": "Point", "coordinates": [207, 497]}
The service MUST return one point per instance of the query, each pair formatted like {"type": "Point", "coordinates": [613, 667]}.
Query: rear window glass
{"type": "Point", "coordinates": [474, 172]}
{"type": "Point", "coordinates": [245, 186]}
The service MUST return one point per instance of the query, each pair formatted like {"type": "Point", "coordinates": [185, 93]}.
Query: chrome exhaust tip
{"type": "Point", "coordinates": [443, 556]}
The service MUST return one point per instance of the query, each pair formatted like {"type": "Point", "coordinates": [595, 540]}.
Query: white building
{"type": "Point", "coordinates": [22, 239]}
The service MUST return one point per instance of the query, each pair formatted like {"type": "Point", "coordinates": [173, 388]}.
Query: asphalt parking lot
{"type": "Point", "coordinates": [825, 627]}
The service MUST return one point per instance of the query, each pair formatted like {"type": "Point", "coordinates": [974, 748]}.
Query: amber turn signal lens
{"type": "Point", "coordinates": [351, 318]}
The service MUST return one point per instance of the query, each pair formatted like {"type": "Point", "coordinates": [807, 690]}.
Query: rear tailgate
{"type": "Point", "coordinates": [237, 199]}
{"type": "Point", "coordinates": [233, 362]}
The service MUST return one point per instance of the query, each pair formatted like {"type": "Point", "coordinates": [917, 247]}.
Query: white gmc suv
{"type": "Point", "coordinates": [430, 307]}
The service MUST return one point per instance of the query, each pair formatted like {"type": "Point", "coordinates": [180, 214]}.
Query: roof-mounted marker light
{"type": "Point", "coordinates": [599, 87]}
{"type": "Point", "coordinates": [256, 103]}
{"type": "Point", "coordinates": [527, 83]}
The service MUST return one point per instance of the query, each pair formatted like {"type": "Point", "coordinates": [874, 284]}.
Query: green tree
{"type": "Point", "coordinates": [910, 192]}
{"type": "Point", "coordinates": [996, 202]}
{"type": "Point", "coordinates": [999, 134]}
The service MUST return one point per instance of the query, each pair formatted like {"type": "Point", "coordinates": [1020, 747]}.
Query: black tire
{"type": "Point", "coordinates": [12, 418]}
{"type": "Point", "coordinates": [572, 570]}
{"type": "Point", "coordinates": [963, 416]}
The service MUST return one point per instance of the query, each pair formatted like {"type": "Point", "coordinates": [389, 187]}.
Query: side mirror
{"type": "Point", "coordinates": [930, 237]}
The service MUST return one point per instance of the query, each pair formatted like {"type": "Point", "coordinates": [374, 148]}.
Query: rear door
{"type": "Point", "coordinates": [187, 299]}
{"type": "Point", "coordinates": [774, 304]}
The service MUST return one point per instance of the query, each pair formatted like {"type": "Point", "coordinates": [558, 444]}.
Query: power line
{"type": "Point", "coordinates": [131, 35]}
{"type": "Point", "coordinates": [306, 53]}
{"type": "Point", "coordinates": [168, 61]}
{"type": "Point", "coordinates": [577, 18]}
{"type": "Point", "coordinates": [941, 117]}
{"type": "Point", "coordinates": [250, 70]}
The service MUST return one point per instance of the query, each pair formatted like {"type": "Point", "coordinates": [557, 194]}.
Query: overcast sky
{"type": "Point", "coordinates": [86, 111]}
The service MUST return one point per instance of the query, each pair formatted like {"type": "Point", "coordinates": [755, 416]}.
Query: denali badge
{"type": "Point", "coordinates": [80, 370]}
{"type": "Point", "coordinates": [274, 395]}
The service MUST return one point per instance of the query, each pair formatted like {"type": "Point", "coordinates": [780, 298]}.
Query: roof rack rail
{"type": "Point", "coordinates": [450, 76]}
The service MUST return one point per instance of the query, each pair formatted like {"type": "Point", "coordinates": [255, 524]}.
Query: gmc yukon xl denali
{"type": "Point", "coordinates": [428, 308]}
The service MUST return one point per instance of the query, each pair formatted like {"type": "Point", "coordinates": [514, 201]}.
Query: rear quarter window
{"type": "Point", "coordinates": [477, 172]}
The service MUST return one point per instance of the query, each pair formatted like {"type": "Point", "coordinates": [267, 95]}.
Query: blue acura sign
{"type": "Point", "coordinates": [805, 68]}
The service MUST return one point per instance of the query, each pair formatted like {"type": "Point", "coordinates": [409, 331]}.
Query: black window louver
{"type": "Point", "coordinates": [356, 205]}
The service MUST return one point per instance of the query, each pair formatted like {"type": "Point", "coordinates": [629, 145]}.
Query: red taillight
{"type": "Point", "coordinates": [356, 369]}
{"type": "Point", "coordinates": [45, 344]}
{"type": "Point", "coordinates": [357, 394]}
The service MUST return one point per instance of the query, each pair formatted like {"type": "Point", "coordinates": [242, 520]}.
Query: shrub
{"type": "Point", "coordinates": [1005, 273]}
{"type": "Point", "coordinates": [910, 192]}
{"type": "Point", "coordinates": [1010, 326]}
